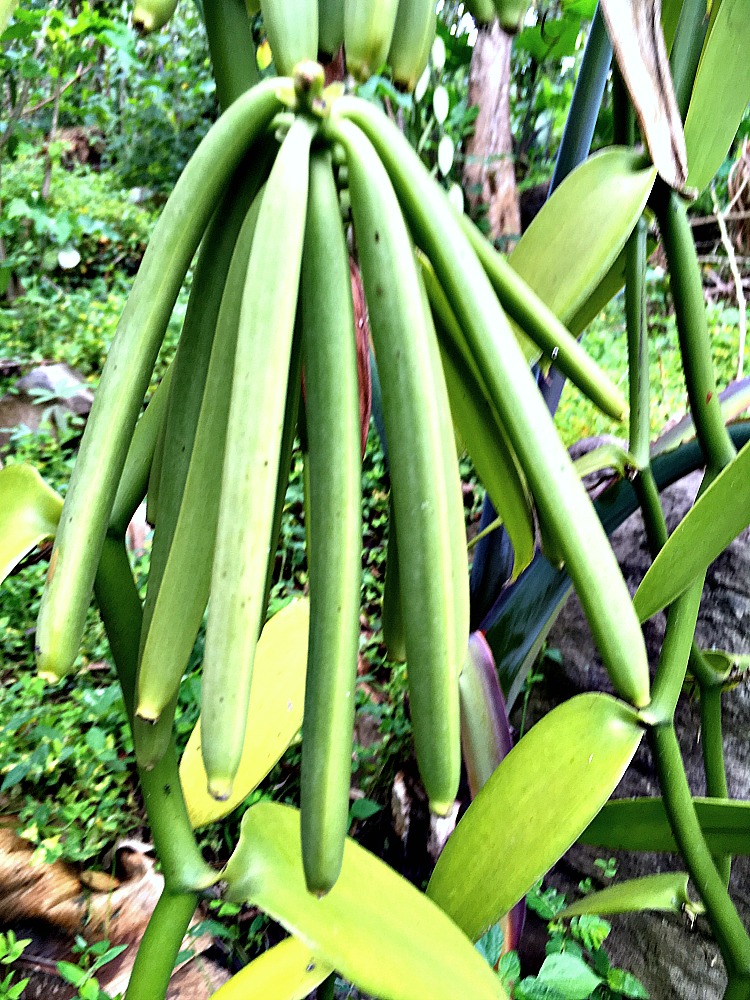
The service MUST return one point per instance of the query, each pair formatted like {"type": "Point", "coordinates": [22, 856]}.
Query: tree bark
{"type": "Point", "coordinates": [489, 173]}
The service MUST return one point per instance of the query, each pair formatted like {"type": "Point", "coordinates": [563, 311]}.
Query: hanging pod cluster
{"type": "Point", "coordinates": [373, 32]}
{"type": "Point", "coordinates": [271, 297]}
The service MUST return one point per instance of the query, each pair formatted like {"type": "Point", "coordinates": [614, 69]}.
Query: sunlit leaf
{"type": "Point", "coordinates": [717, 517]}
{"type": "Point", "coordinates": [289, 971]}
{"type": "Point", "coordinates": [535, 805]}
{"type": "Point", "coordinates": [29, 514]}
{"type": "Point", "coordinates": [720, 94]}
{"type": "Point", "coordinates": [577, 236]}
{"type": "Point", "coordinates": [373, 927]}
{"type": "Point", "coordinates": [277, 698]}
{"type": "Point", "coordinates": [667, 893]}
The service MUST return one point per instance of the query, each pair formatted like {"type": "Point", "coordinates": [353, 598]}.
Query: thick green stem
{"type": "Point", "coordinates": [232, 49]}
{"type": "Point", "coordinates": [712, 744]}
{"type": "Point", "coordinates": [686, 50]}
{"type": "Point", "coordinates": [675, 651]}
{"type": "Point", "coordinates": [738, 988]}
{"type": "Point", "coordinates": [690, 312]}
{"type": "Point", "coordinates": [622, 111]}
{"type": "Point", "coordinates": [160, 946]}
{"type": "Point", "coordinates": [647, 492]}
{"type": "Point", "coordinates": [587, 99]}
{"type": "Point", "coordinates": [120, 606]}
{"type": "Point", "coordinates": [635, 314]}
{"type": "Point", "coordinates": [732, 939]}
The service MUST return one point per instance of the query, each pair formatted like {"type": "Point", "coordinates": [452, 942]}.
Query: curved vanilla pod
{"type": "Point", "coordinates": [229, 32]}
{"type": "Point", "coordinates": [559, 496]}
{"type": "Point", "coordinates": [511, 13]}
{"type": "Point", "coordinates": [334, 466]}
{"type": "Point", "coordinates": [181, 861]}
{"type": "Point", "coordinates": [538, 322]}
{"type": "Point", "coordinates": [127, 372]}
{"type": "Point", "coordinates": [251, 459]}
{"type": "Point", "coordinates": [484, 436]}
{"type": "Point", "coordinates": [150, 15]}
{"type": "Point", "coordinates": [184, 538]}
{"type": "Point", "coordinates": [368, 31]}
{"type": "Point", "coordinates": [330, 27]}
{"type": "Point", "coordinates": [137, 468]}
{"type": "Point", "coordinates": [292, 30]}
{"type": "Point", "coordinates": [154, 476]}
{"type": "Point", "coordinates": [392, 616]}
{"type": "Point", "coordinates": [483, 11]}
{"type": "Point", "coordinates": [412, 401]}
{"type": "Point", "coordinates": [413, 35]}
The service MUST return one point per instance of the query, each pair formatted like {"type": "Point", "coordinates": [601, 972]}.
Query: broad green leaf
{"type": "Point", "coordinates": [570, 975]}
{"type": "Point", "coordinates": [535, 805]}
{"type": "Point", "coordinates": [717, 517]}
{"type": "Point", "coordinates": [277, 699]}
{"type": "Point", "coordinates": [374, 927]}
{"type": "Point", "coordinates": [642, 825]}
{"type": "Point", "coordinates": [29, 513]}
{"type": "Point", "coordinates": [667, 893]}
{"type": "Point", "coordinates": [289, 971]}
{"type": "Point", "coordinates": [720, 94]}
{"type": "Point", "coordinates": [577, 237]}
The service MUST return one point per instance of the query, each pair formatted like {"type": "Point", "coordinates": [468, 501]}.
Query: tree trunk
{"type": "Point", "coordinates": [489, 174]}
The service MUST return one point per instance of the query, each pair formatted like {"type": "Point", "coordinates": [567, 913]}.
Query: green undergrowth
{"type": "Point", "coordinates": [606, 341]}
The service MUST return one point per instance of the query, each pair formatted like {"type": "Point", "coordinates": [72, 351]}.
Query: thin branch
{"type": "Point", "coordinates": [79, 74]}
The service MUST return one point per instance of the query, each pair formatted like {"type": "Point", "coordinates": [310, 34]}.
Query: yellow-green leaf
{"type": "Point", "coordinates": [374, 927]}
{"type": "Point", "coordinates": [289, 971]}
{"type": "Point", "coordinates": [667, 893]}
{"type": "Point", "coordinates": [717, 517]}
{"type": "Point", "coordinates": [6, 12]}
{"type": "Point", "coordinates": [538, 801]}
{"type": "Point", "coordinates": [277, 699]}
{"type": "Point", "coordinates": [576, 238]}
{"type": "Point", "coordinates": [29, 514]}
{"type": "Point", "coordinates": [720, 94]}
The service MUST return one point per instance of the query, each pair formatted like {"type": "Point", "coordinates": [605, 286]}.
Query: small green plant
{"type": "Point", "coordinates": [91, 958]}
{"type": "Point", "coordinates": [11, 950]}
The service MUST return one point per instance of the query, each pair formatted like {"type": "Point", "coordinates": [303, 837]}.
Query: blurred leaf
{"type": "Point", "coordinates": [576, 238]}
{"type": "Point", "coordinates": [535, 805]}
{"type": "Point", "coordinates": [642, 825]}
{"type": "Point", "coordinates": [720, 94]}
{"type": "Point", "coordinates": [6, 12]}
{"type": "Point", "coordinates": [570, 975]}
{"type": "Point", "coordinates": [289, 971]}
{"type": "Point", "coordinates": [373, 927]}
{"type": "Point", "coordinates": [277, 698]}
{"type": "Point", "coordinates": [29, 513]}
{"type": "Point", "coordinates": [667, 893]}
{"type": "Point", "coordinates": [716, 518]}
